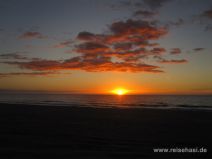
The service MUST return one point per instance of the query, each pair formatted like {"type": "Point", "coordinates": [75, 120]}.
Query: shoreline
{"type": "Point", "coordinates": [142, 106]}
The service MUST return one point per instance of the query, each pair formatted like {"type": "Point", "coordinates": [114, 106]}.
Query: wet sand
{"type": "Point", "coordinates": [54, 132]}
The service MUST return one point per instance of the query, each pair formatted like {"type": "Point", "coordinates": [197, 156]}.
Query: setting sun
{"type": "Point", "coordinates": [119, 91]}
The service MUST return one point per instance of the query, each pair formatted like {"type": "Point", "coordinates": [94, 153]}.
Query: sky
{"type": "Point", "coordinates": [95, 46]}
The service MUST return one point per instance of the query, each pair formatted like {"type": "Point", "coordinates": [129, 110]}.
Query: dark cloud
{"type": "Point", "coordinates": [173, 61]}
{"type": "Point", "coordinates": [87, 36]}
{"type": "Point", "coordinates": [145, 13]}
{"type": "Point", "coordinates": [64, 44]}
{"type": "Point", "coordinates": [122, 47]}
{"type": "Point", "coordinates": [91, 48]}
{"type": "Point", "coordinates": [208, 27]}
{"type": "Point", "coordinates": [162, 60]}
{"type": "Point", "coordinates": [130, 32]}
{"type": "Point", "coordinates": [207, 14]}
{"type": "Point", "coordinates": [177, 23]}
{"type": "Point", "coordinates": [148, 30]}
{"type": "Point", "coordinates": [39, 64]}
{"type": "Point", "coordinates": [155, 4]}
{"type": "Point", "coordinates": [175, 51]}
{"type": "Point", "coordinates": [198, 49]}
{"type": "Point", "coordinates": [15, 55]}
{"type": "Point", "coordinates": [204, 18]}
{"type": "Point", "coordinates": [138, 32]}
{"type": "Point", "coordinates": [32, 35]}
{"type": "Point", "coordinates": [26, 74]}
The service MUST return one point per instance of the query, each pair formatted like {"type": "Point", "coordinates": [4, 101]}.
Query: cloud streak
{"type": "Point", "coordinates": [63, 44]}
{"type": "Point", "coordinates": [32, 35]}
{"type": "Point", "coordinates": [154, 4]}
{"type": "Point", "coordinates": [175, 51]}
{"type": "Point", "coordinates": [11, 74]}
{"type": "Point", "coordinates": [15, 55]}
{"type": "Point", "coordinates": [198, 49]}
{"type": "Point", "coordinates": [173, 61]}
{"type": "Point", "coordinates": [144, 13]}
{"type": "Point", "coordinates": [90, 65]}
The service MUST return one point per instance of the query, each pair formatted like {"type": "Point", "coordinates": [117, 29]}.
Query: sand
{"type": "Point", "coordinates": [55, 132]}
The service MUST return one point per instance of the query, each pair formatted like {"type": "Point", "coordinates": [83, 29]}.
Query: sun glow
{"type": "Point", "coordinates": [120, 91]}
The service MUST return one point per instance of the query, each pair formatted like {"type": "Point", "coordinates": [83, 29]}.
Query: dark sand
{"type": "Point", "coordinates": [31, 132]}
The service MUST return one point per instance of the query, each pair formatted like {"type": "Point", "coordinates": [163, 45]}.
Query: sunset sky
{"type": "Point", "coordinates": [95, 46]}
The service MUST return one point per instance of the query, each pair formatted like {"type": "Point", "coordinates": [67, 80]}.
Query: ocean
{"type": "Point", "coordinates": [110, 101]}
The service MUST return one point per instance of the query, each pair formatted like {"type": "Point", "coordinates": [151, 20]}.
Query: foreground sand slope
{"type": "Point", "coordinates": [64, 132]}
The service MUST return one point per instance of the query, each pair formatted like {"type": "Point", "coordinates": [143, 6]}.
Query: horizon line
{"type": "Point", "coordinates": [81, 93]}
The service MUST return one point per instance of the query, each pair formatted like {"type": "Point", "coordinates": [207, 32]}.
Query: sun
{"type": "Point", "coordinates": [120, 91]}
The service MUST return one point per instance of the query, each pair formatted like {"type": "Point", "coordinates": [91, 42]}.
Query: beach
{"type": "Point", "coordinates": [59, 132]}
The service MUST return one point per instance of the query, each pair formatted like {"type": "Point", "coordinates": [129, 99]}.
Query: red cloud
{"type": "Point", "coordinates": [31, 35]}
